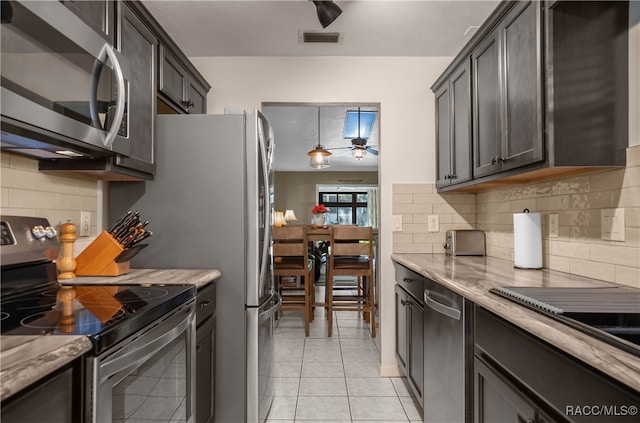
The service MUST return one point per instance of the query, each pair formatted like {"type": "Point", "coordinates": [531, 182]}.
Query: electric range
{"type": "Point", "coordinates": [610, 314]}
{"type": "Point", "coordinates": [32, 302]}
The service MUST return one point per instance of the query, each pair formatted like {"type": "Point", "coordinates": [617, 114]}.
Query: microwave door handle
{"type": "Point", "coordinates": [108, 52]}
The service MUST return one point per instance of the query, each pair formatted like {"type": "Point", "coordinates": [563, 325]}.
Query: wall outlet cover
{"type": "Point", "coordinates": [85, 224]}
{"type": "Point", "coordinates": [612, 224]}
{"type": "Point", "coordinates": [434, 223]}
{"type": "Point", "coordinates": [553, 225]}
{"type": "Point", "coordinates": [397, 223]}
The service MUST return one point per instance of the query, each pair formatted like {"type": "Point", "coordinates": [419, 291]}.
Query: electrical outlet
{"type": "Point", "coordinates": [434, 223]}
{"type": "Point", "coordinates": [397, 223]}
{"type": "Point", "coordinates": [85, 223]}
{"type": "Point", "coordinates": [612, 224]}
{"type": "Point", "coordinates": [553, 225]}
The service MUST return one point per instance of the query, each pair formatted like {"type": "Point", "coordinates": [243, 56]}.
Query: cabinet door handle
{"type": "Point", "coordinates": [494, 160]}
{"type": "Point", "coordinates": [502, 159]}
{"type": "Point", "coordinates": [205, 304]}
{"type": "Point", "coordinates": [453, 176]}
{"type": "Point", "coordinates": [406, 303]}
{"type": "Point", "coordinates": [408, 280]}
{"type": "Point", "coordinates": [454, 313]}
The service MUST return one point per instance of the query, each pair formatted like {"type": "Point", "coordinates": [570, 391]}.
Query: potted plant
{"type": "Point", "coordinates": [318, 212]}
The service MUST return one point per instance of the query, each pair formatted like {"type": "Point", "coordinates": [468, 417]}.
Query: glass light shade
{"type": "Point", "coordinates": [290, 216]}
{"type": "Point", "coordinates": [278, 219]}
{"type": "Point", "coordinates": [319, 157]}
{"type": "Point", "coordinates": [358, 153]}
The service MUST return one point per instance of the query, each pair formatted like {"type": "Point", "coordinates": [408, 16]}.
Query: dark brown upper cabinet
{"type": "Point", "coordinates": [549, 95]}
{"type": "Point", "coordinates": [179, 87]}
{"type": "Point", "coordinates": [453, 127]}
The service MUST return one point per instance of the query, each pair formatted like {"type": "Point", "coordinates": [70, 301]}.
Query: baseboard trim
{"type": "Point", "coordinates": [390, 371]}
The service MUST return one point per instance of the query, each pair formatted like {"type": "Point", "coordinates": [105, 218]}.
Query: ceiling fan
{"type": "Point", "coordinates": [359, 147]}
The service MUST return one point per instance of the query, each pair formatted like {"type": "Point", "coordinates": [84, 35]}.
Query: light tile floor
{"type": "Point", "coordinates": [322, 379]}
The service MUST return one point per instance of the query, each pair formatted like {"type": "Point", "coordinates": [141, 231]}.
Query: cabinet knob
{"type": "Point", "coordinates": [494, 160]}
{"type": "Point", "coordinates": [205, 304]}
{"type": "Point", "coordinates": [502, 159]}
{"type": "Point", "coordinates": [454, 176]}
{"type": "Point", "coordinates": [188, 104]}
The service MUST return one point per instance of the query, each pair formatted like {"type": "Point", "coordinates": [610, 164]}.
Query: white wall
{"type": "Point", "coordinates": [407, 146]}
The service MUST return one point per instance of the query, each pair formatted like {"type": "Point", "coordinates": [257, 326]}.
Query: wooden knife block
{"type": "Point", "coordinates": [98, 259]}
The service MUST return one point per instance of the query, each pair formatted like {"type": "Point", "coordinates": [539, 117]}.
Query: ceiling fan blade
{"type": "Point", "coordinates": [372, 151]}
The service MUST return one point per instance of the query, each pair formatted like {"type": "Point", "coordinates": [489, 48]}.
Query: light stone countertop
{"type": "Point", "coordinates": [472, 277]}
{"type": "Point", "coordinates": [26, 359]}
{"type": "Point", "coordinates": [198, 277]}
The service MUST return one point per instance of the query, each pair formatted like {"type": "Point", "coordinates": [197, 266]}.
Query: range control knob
{"type": "Point", "coordinates": [50, 232]}
{"type": "Point", "coordinates": [38, 231]}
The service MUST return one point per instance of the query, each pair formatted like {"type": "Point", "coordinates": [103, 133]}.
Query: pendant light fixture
{"type": "Point", "coordinates": [319, 157]}
{"type": "Point", "coordinates": [327, 12]}
{"type": "Point", "coordinates": [359, 150]}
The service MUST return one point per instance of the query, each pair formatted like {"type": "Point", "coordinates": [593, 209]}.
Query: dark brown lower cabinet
{"type": "Point", "coordinates": [520, 378]}
{"type": "Point", "coordinates": [205, 354]}
{"type": "Point", "coordinates": [55, 399]}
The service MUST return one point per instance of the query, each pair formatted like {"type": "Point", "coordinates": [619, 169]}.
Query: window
{"type": "Point", "coordinates": [345, 208]}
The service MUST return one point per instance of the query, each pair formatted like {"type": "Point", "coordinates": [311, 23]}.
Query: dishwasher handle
{"type": "Point", "coordinates": [441, 308]}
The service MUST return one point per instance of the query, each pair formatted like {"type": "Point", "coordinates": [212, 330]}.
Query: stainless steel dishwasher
{"type": "Point", "coordinates": [447, 321]}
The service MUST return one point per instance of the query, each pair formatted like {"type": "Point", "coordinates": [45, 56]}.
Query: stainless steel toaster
{"type": "Point", "coordinates": [465, 242]}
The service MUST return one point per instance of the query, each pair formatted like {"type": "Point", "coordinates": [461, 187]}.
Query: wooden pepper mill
{"type": "Point", "coordinates": [67, 264]}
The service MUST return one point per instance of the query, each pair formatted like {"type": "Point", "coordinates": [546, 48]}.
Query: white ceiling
{"type": "Point", "coordinates": [369, 27]}
{"type": "Point", "coordinates": [375, 28]}
{"type": "Point", "coordinates": [296, 129]}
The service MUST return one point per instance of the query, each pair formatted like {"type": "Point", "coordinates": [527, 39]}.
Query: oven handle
{"type": "Point", "coordinates": [130, 354]}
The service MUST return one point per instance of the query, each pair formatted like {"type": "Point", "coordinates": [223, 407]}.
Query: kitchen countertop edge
{"type": "Point", "coordinates": [197, 277]}
{"type": "Point", "coordinates": [472, 277]}
{"type": "Point", "coordinates": [54, 353]}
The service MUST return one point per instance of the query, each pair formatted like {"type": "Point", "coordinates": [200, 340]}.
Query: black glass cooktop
{"type": "Point", "coordinates": [611, 314]}
{"type": "Point", "coordinates": [107, 314]}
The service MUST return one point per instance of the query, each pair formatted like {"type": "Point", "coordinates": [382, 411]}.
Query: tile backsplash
{"type": "Point", "coordinates": [27, 192]}
{"type": "Point", "coordinates": [578, 249]}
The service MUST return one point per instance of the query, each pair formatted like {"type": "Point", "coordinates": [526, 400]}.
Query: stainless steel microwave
{"type": "Point", "coordinates": [63, 90]}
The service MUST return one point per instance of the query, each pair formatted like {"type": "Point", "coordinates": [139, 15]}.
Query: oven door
{"type": "Point", "coordinates": [150, 375]}
{"type": "Point", "coordinates": [62, 84]}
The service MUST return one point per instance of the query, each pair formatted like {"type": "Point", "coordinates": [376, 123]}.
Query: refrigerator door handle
{"type": "Point", "coordinates": [266, 264]}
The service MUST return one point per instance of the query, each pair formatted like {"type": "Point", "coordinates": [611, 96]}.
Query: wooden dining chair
{"type": "Point", "coordinates": [291, 259]}
{"type": "Point", "coordinates": [351, 255]}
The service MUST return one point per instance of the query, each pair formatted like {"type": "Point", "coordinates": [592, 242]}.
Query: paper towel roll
{"type": "Point", "coordinates": [527, 240]}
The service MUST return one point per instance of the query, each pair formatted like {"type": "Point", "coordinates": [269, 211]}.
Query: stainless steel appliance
{"type": "Point", "coordinates": [63, 90]}
{"type": "Point", "coordinates": [465, 242]}
{"type": "Point", "coordinates": [611, 313]}
{"type": "Point", "coordinates": [447, 380]}
{"type": "Point", "coordinates": [212, 197]}
{"type": "Point", "coordinates": [139, 334]}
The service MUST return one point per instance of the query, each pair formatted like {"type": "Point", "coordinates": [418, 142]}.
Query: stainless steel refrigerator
{"type": "Point", "coordinates": [210, 207]}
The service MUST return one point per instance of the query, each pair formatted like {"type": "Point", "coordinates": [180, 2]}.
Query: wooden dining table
{"type": "Point", "coordinates": [323, 233]}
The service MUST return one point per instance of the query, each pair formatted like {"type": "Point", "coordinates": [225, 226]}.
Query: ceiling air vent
{"type": "Point", "coordinates": [308, 37]}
